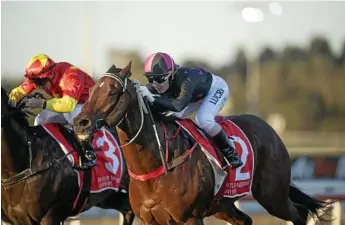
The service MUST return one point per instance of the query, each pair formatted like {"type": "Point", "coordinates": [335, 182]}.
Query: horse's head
{"type": "Point", "coordinates": [108, 101]}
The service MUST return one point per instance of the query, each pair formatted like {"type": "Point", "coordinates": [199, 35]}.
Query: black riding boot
{"type": "Point", "coordinates": [88, 155]}
{"type": "Point", "coordinates": [228, 149]}
{"type": "Point", "coordinates": [89, 159]}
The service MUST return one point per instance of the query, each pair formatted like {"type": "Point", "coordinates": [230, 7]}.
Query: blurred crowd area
{"type": "Point", "coordinates": [301, 85]}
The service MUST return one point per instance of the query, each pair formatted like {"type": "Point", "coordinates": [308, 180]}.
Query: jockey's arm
{"type": "Point", "coordinates": [23, 89]}
{"type": "Point", "coordinates": [72, 85]}
{"type": "Point", "coordinates": [65, 104]}
{"type": "Point", "coordinates": [151, 88]}
{"type": "Point", "coordinates": [179, 103]}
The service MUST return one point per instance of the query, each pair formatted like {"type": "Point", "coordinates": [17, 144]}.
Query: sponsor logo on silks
{"type": "Point", "coordinates": [216, 96]}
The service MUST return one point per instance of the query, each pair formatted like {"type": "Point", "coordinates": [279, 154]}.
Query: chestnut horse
{"type": "Point", "coordinates": [186, 191]}
{"type": "Point", "coordinates": [38, 183]}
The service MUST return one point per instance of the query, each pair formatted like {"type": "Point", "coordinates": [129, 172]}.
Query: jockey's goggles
{"type": "Point", "coordinates": [39, 81]}
{"type": "Point", "coordinates": [158, 79]}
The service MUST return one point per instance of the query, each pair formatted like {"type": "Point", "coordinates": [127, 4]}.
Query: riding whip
{"type": "Point", "coordinates": [161, 153]}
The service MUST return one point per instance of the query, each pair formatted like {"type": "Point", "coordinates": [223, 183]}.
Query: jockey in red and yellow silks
{"type": "Point", "coordinates": [66, 84]}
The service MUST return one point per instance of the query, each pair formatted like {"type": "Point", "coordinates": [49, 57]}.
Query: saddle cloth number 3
{"type": "Point", "coordinates": [108, 148]}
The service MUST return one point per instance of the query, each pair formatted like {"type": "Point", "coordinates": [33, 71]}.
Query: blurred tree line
{"type": "Point", "coordinates": [306, 85]}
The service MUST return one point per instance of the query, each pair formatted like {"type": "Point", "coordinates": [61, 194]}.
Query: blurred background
{"type": "Point", "coordinates": [284, 61]}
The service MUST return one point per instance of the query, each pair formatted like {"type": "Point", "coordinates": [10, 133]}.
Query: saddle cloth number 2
{"type": "Point", "coordinates": [239, 175]}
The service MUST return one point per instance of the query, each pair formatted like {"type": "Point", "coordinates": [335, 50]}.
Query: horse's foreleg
{"type": "Point", "coordinates": [128, 217]}
{"type": "Point", "coordinates": [233, 215]}
{"type": "Point", "coordinates": [50, 220]}
{"type": "Point", "coordinates": [53, 217]}
{"type": "Point", "coordinates": [194, 221]}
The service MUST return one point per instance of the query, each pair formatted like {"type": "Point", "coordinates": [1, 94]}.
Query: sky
{"type": "Point", "coordinates": [81, 32]}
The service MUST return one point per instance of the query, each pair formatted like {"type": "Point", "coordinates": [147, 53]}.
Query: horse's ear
{"type": "Point", "coordinates": [112, 69]}
{"type": "Point", "coordinates": [126, 72]}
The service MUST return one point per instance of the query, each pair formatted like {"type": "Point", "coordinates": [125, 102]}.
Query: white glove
{"type": "Point", "coordinates": [146, 93]}
{"type": "Point", "coordinates": [136, 82]}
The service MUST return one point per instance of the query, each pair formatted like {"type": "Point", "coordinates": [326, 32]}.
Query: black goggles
{"type": "Point", "coordinates": [157, 79]}
{"type": "Point", "coordinates": [39, 81]}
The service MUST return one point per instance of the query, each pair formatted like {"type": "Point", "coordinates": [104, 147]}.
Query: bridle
{"type": "Point", "coordinates": [143, 108]}
{"type": "Point", "coordinates": [30, 171]}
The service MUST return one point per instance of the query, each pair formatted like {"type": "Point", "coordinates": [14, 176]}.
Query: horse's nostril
{"type": "Point", "coordinates": [84, 123]}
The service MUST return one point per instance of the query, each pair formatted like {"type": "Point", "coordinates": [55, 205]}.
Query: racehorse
{"type": "Point", "coordinates": [162, 195]}
{"type": "Point", "coordinates": [38, 183]}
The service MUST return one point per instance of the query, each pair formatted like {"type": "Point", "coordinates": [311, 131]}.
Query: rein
{"type": "Point", "coordinates": [141, 103]}
{"type": "Point", "coordinates": [143, 108]}
{"type": "Point", "coordinates": [179, 160]}
{"type": "Point", "coordinates": [29, 172]}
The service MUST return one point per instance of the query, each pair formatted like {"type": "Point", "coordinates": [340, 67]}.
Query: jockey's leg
{"type": "Point", "coordinates": [47, 116]}
{"type": "Point", "coordinates": [70, 116]}
{"type": "Point", "coordinates": [192, 107]}
{"type": "Point", "coordinates": [89, 154]}
{"type": "Point", "coordinates": [205, 118]}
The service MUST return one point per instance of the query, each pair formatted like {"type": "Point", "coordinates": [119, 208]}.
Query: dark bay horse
{"type": "Point", "coordinates": [186, 191]}
{"type": "Point", "coordinates": [34, 191]}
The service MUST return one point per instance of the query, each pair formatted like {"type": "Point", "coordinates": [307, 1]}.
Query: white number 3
{"type": "Point", "coordinates": [109, 153]}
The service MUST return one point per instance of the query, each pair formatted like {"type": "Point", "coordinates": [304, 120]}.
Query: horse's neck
{"type": "Point", "coordinates": [144, 157]}
{"type": "Point", "coordinates": [14, 147]}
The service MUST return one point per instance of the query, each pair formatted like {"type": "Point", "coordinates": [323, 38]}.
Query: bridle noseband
{"type": "Point", "coordinates": [142, 107]}
{"type": "Point", "coordinates": [117, 77]}
{"type": "Point", "coordinates": [99, 123]}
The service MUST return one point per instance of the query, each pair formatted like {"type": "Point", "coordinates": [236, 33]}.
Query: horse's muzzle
{"type": "Point", "coordinates": [83, 128]}
{"type": "Point", "coordinates": [83, 124]}
{"type": "Point", "coordinates": [85, 136]}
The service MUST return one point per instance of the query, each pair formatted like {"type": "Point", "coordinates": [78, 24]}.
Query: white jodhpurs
{"type": "Point", "coordinates": [209, 107]}
{"type": "Point", "coordinates": [47, 116]}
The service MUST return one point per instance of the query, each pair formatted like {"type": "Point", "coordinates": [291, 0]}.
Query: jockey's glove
{"type": "Point", "coordinates": [34, 103]}
{"type": "Point", "coordinates": [136, 82]}
{"type": "Point", "coordinates": [15, 96]}
{"type": "Point", "coordinates": [12, 102]}
{"type": "Point", "coordinates": [146, 93]}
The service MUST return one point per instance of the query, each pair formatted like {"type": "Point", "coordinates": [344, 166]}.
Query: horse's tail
{"type": "Point", "coordinates": [315, 207]}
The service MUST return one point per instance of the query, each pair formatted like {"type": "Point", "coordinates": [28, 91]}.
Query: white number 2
{"type": "Point", "coordinates": [244, 155]}
{"type": "Point", "coordinates": [110, 153]}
